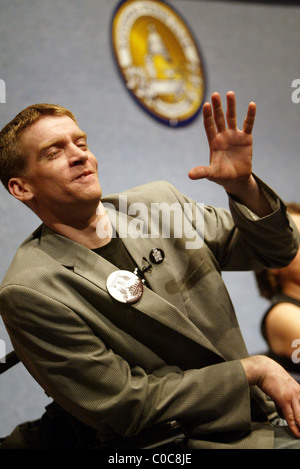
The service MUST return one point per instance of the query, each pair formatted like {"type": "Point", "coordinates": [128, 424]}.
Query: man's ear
{"type": "Point", "coordinates": [20, 189]}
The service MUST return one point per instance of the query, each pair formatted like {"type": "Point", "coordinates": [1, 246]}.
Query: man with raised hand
{"type": "Point", "coordinates": [173, 349]}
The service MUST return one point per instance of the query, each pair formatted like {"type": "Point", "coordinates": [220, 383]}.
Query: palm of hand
{"type": "Point", "coordinates": [230, 157]}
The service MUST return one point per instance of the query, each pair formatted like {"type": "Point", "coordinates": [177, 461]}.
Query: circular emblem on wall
{"type": "Point", "coordinates": [159, 60]}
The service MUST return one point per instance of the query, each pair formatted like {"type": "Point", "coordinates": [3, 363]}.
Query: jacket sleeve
{"type": "Point", "coordinates": [242, 241]}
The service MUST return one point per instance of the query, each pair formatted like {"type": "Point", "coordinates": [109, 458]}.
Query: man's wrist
{"type": "Point", "coordinates": [254, 368]}
{"type": "Point", "coordinates": [243, 189]}
{"type": "Point", "coordinates": [250, 194]}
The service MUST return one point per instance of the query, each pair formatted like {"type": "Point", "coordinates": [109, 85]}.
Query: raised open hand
{"type": "Point", "coordinates": [230, 148]}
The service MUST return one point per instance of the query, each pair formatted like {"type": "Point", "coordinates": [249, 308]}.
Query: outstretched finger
{"type": "Point", "coordinates": [218, 112]}
{"type": "Point", "coordinates": [250, 118]}
{"type": "Point", "coordinates": [231, 111]}
{"type": "Point", "coordinates": [209, 123]}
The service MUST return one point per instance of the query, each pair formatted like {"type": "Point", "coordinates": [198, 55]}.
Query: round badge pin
{"type": "Point", "coordinates": [156, 255]}
{"type": "Point", "coordinates": [124, 286]}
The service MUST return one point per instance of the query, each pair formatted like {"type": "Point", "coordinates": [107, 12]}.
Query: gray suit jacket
{"type": "Point", "coordinates": [175, 353]}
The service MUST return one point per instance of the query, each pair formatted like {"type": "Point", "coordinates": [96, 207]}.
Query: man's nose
{"type": "Point", "coordinates": [77, 155]}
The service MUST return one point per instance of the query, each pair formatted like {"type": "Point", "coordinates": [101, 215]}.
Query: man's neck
{"type": "Point", "coordinates": [93, 232]}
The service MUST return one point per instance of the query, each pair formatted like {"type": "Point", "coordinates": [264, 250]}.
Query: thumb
{"type": "Point", "coordinates": [200, 172]}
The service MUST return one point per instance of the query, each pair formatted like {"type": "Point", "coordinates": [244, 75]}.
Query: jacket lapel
{"type": "Point", "coordinates": [162, 306]}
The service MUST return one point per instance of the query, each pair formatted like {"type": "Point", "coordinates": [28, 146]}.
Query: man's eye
{"type": "Point", "coordinates": [84, 146]}
{"type": "Point", "coordinates": [52, 154]}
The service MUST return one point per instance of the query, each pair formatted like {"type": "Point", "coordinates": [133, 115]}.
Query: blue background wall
{"type": "Point", "coordinates": [59, 51]}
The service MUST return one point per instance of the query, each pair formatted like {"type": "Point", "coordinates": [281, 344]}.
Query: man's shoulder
{"type": "Point", "coordinates": [28, 259]}
{"type": "Point", "coordinates": [151, 192]}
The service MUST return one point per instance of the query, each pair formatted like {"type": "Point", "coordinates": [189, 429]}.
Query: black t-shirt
{"type": "Point", "coordinates": [116, 253]}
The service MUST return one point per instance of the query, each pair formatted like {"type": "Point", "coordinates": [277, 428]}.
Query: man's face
{"type": "Point", "coordinates": [61, 171]}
